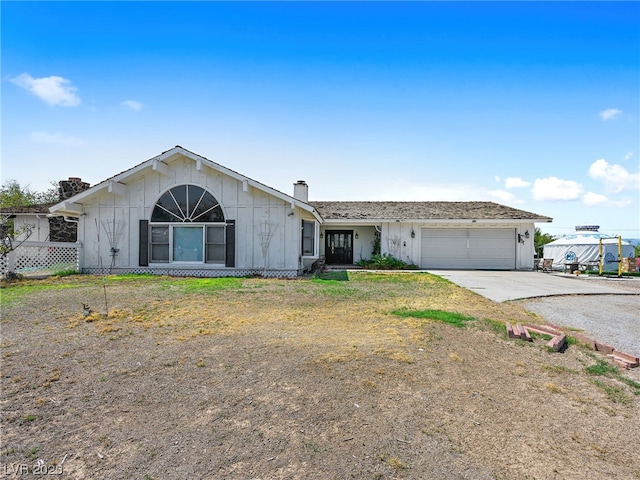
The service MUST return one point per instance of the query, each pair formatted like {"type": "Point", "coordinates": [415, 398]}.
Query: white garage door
{"type": "Point", "coordinates": [468, 248]}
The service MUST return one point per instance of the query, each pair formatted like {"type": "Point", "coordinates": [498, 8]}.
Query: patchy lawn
{"type": "Point", "coordinates": [394, 375]}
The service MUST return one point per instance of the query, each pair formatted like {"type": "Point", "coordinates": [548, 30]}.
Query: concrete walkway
{"type": "Point", "coordinates": [502, 286]}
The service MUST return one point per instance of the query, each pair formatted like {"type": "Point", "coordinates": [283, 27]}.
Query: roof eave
{"type": "Point", "coordinates": [438, 220]}
{"type": "Point", "coordinates": [117, 183]}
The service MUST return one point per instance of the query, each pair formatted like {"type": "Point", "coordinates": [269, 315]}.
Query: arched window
{"type": "Point", "coordinates": [187, 203]}
{"type": "Point", "coordinates": [187, 226]}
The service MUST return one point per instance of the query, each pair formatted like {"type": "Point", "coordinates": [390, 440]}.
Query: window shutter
{"type": "Point", "coordinates": [143, 247]}
{"type": "Point", "coordinates": [230, 254]}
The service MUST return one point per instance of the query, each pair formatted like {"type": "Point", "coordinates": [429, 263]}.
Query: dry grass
{"type": "Point", "coordinates": [256, 378]}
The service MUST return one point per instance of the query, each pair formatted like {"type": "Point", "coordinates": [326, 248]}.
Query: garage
{"type": "Point", "coordinates": [468, 248]}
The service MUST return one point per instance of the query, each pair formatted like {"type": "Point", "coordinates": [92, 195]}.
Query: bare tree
{"type": "Point", "coordinates": [9, 234]}
{"type": "Point", "coordinates": [267, 229]}
{"type": "Point", "coordinates": [114, 230]}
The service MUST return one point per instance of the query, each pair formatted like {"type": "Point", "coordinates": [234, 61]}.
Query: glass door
{"type": "Point", "coordinates": [338, 246]}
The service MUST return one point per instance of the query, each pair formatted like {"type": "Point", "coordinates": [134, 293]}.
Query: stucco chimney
{"type": "Point", "coordinates": [301, 191]}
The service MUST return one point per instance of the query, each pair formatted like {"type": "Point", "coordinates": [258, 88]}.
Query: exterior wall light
{"type": "Point", "coordinates": [413, 233]}
{"type": "Point", "coordinates": [357, 236]}
{"type": "Point", "coordinates": [321, 235]}
{"type": "Point", "coordinates": [526, 234]}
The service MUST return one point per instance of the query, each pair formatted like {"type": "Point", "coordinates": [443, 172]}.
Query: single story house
{"type": "Point", "coordinates": [29, 222]}
{"type": "Point", "coordinates": [34, 223]}
{"type": "Point", "coordinates": [183, 214]}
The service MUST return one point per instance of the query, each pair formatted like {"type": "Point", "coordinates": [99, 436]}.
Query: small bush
{"type": "Point", "coordinates": [66, 272]}
{"type": "Point", "coordinates": [386, 262]}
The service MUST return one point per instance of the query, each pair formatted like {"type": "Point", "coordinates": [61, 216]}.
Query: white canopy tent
{"type": "Point", "coordinates": [583, 247]}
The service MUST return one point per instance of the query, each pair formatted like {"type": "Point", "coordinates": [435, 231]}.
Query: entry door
{"type": "Point", "coordinates": [338, 246]}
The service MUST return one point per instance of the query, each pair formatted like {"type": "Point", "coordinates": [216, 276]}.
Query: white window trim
{"type": "Point", "coordinates": [204, 243]}
{"type": "Point", "coordinates": [316, 240]}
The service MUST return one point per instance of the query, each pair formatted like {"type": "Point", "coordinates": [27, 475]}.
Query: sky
{"type": "Point", "coordinates": [535, 105]}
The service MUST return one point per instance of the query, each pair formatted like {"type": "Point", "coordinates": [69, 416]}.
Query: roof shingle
{"type": "Point", "coordinates": [38, 208]}
{"type": "Point", "coordinates": [422, 210]}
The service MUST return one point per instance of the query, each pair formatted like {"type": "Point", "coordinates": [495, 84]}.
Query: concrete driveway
{"type": "Point", "coordinates": [502, 286]}
{"type": "Point", "coordinates": [607, 309]}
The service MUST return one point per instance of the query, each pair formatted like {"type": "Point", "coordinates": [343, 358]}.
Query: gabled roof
{"type": "Point", "coordinates": [115, 184]}
{"type": "Point", "coordinates": [385, 211]}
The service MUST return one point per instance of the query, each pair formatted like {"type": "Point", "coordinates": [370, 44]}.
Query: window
{"type": "Point", "coordinates": [187, 244]}
{"type": "Point", "coordinates": [215, 244]}
{"type": "Point", "coordinates": [160, 244]}
{"type": "Point", "coordinates": [308, 237]}
{"type": "Point", "coordinates": [187, 226]}
{"type": "Point", "coordinates": [187, 203]}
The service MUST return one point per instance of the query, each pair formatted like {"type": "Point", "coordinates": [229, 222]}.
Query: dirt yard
{"type": "Point", "coordinates": [298, 379]}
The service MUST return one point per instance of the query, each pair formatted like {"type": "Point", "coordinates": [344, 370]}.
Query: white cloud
{"type": "Point", "coordinates": [132, 105]}
{"type": "Point", "coordinates": [505, 197]}
{"type": "Point", "coordinates": [515, 182]}
{"type": "Point", "coordinates": [624, 203]}
{"type": "Point", "coordinates": [52, 90]}
{"type": "Point", "coordinates": [628, 156]}
{"type": "Point", "coordinates": [616, 178]}
{"type": "Point", "coordinates": [496, 178]}
{"type": "Point", "coordinates": [56, 139]}
{"type": "Point", "coordinates": [610, 114]}
{"type": "Point", "coordinates": [591, 199]}
{"type": "Point", "coordinates": [553, 188]}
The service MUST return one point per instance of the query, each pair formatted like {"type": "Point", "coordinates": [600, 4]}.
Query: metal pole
{"type": "Point", "coordinates": [600, 258]}
{"type": "Point", "coordinates": [619, 256]}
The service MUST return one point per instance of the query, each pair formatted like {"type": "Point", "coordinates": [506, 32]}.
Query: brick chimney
{"type": "Point", "coordinates": [301, 191]}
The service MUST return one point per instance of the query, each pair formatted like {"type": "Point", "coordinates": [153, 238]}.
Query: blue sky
{"type": "Point", "coordinates": [535, 105]}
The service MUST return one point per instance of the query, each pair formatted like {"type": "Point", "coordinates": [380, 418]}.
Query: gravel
{"type": "Point", "coordinates": [612, 319]}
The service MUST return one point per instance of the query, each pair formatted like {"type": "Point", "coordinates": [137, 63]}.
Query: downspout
{"type": "Point", "coordinates": [40, 216]}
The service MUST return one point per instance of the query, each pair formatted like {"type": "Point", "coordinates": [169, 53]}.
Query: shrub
{"type": "Point", "coordinates": [66, 272]}
{"type": "Point", "coordinates": [386, 262]}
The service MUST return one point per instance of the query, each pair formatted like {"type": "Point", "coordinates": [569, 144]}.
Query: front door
{"type": "Point", "coordinates": [338, 246]}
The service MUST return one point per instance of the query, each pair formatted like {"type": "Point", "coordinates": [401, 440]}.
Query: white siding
{"type": "Point", "coordinates": [250, 209]}
{"type": "Point", "coordinates": [38, 224]}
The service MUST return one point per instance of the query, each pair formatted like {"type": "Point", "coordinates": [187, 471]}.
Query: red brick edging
{"type": "Point", "coordinates": [621, 359]}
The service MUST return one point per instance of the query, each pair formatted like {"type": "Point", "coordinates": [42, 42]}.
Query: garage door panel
{"type": "Point", "coordinates": [444, 248]}
{"type": "Point", "coordinates": [468, 248]}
